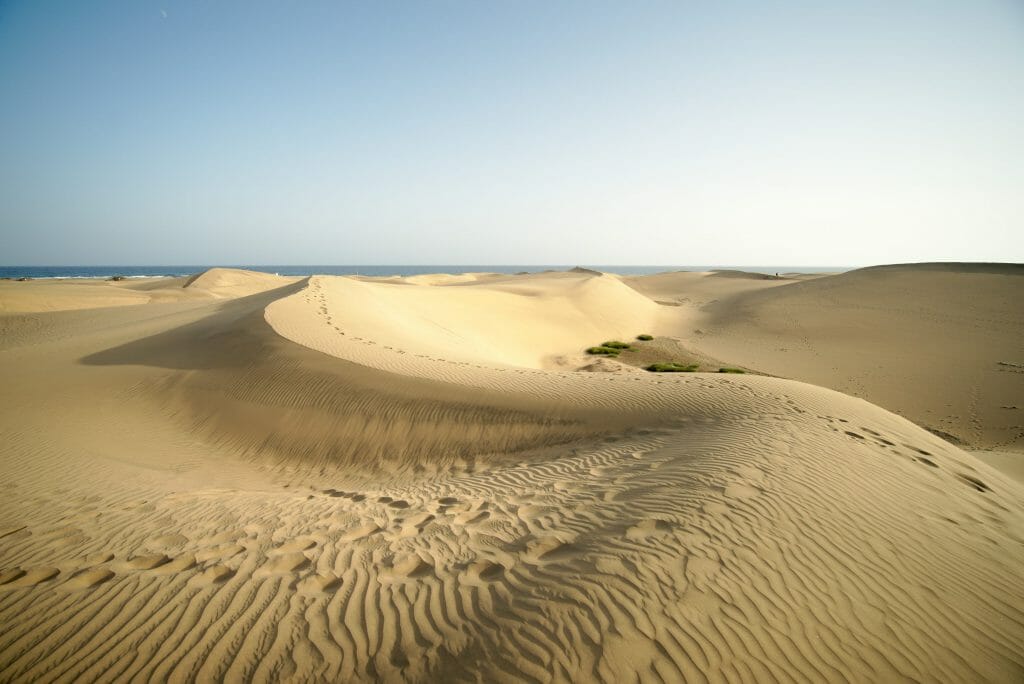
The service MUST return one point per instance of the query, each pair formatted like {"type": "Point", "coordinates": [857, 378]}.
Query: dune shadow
{"type": "Point", "coordinates": [227, 337]}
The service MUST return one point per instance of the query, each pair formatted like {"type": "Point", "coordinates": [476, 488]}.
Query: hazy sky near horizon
{"type": "Point", "coordinates": [739, 133]}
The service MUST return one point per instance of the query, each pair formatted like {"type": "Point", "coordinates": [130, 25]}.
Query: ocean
{"type": "Point", "coordinates": [374, 270]}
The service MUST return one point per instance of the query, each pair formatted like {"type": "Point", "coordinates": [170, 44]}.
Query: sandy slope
{"type": "Point", "coordinates": [695, 289]}
{"type": "Point", "coordinates": [191, 495]}
{"type": "Point", "coordinates": [942, 344]}
{"type": "Point", "coordinates": [62, 294]}
{"type": "Point", "coordinates": [526, 322]}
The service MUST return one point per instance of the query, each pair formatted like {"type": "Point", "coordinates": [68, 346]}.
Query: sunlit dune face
{"type": "Point", "coordinates": [521, 322]}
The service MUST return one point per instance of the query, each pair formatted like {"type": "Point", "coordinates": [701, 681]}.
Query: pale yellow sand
{"type": "Point", "coordinates": [62, 294]}
{"type": "Point", "coordinates": [234, 490]}
{"type": "Point", "coordinates": [942, 345]}
{"type": "Point", "coordinates": [527, 322]}
{"type": "Point", "coordinates": [1008, 462]}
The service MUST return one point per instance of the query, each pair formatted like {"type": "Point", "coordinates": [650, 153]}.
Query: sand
{"type": "Point", "coordinates": [942, 345]}
{"type": "Point", "coordinates": [409, 479]}
{"type": "Point", "coordinates": [63, 294]}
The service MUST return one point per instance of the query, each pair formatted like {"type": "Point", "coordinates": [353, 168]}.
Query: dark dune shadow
{"type": "Point", "coordinates": [222, 339]}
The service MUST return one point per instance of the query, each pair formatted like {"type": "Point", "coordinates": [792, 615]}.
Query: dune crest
{"type": "Point", "coordinates": [929, 341]}
{"type": "Point", "coordinates": [435, 331]}
{"type": "Point", "coordinates": [233, 282]}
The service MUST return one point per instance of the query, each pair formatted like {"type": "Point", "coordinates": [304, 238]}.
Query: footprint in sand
{"type": "Point", "coordinates": [167, 542]}
{"type": "Point", "coordinates": [360, 532]}
{"type": "Point", "coordinates": [471, 517]}
{"type": "Point", "coordinates": [549, 550]}
{"type": "Point", "coordinates": [973, 482]}
{"type": "Point", "coordinates": [282, 565]}
{"type": "Point", "coordinates": [215, 574]}
{"type": "Point", "coordinates": [531, 512]}
{"type": "Point", "coordinates": [649, 528]}
{"type": "Point", "coordinates": [86, 579]}
{"type": "Point", "coordinates": [221, 553]}
{"type": "Point", "coordinates": [18, 578]}
{"type": "Point", "coordinates": [176, 565]}
{"type": "Point", "coordinates": [97, 559]}
{"type": "Point", "coordinates": [415, 524]}
{"type": "Point", "coordinates": [483, 572]}
{"type": "Point", "coordinates": [318, 584]}
{"type": "Point", "coordinates": [223, 537]}
{"type": "Point", "coordinates": [148, 562]}
{"type": "Point", "coordinates": [11, 575]}
{"type": "Point", "coordinates": [404, 569]}
{"type": "Point", "coordinates": [295, 545]}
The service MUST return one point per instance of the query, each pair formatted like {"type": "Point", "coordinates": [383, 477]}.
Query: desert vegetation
{"type": "Point", "coordinates": [609, 348]}
{"type": "Point", "coordinates": [672, 367]}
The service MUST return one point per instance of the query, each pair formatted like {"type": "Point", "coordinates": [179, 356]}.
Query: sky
{"type": "Point", "coordinates": [716, 133]}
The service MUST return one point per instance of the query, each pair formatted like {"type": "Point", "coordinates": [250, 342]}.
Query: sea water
{"type": "Point", "coordinates": [375, 270]}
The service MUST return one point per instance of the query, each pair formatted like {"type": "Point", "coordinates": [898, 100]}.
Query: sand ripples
{"type": "Point", "coordinates": [319, 520]}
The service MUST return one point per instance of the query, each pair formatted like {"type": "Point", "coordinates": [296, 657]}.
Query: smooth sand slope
{"type": "Point", "coordinates": [940, 344]}
{"type": "Point", "coordinates": [341, 479]}
{"type": "Point", "coordinates": [452, 332]}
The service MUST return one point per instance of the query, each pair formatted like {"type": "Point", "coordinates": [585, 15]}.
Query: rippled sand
{"type": "Point", "coordinates": [245, 478]}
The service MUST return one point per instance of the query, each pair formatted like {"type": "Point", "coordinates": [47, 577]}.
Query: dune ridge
{"type": "Point", "coordinates": [235, 494]}
{"type": "Point", "coordinates": [936, 343]}
{"type": "Point", "coordinates": [524, 322]}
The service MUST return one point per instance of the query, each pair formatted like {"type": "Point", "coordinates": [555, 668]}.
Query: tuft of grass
{"type": "Point", "coordinates": [731, 370]}
{"type": "Point", "coordinates": [615, 344]}
{"type": "Point", "coordinates": [671, 367]}
{"type": "Point", "coordinates": [603, 351]}
{"type": "Point", "coordinates": [645, 338]}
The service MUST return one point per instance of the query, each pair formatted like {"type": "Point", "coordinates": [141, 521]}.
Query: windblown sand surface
{"type": "Point", "coordinates": [253, 479]}
{"type": "Point", "coordinates": [940, 344]}
{"type": "Point", "coordinates": [76, 293]}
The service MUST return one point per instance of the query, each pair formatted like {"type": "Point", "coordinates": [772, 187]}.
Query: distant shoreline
{"type": "Point", "coordinates": [148, 271]}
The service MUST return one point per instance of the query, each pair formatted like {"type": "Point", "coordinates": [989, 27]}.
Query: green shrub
{"type": "Point", "coordinates": [672, 367]}
{"type": "Point", "coordinates": [645, 338]}
{"type": "Point", "coordinates": [615, 344]}
{"type": "Point", "coordinates": [604, 351]}
{"type": "Point", "coordinates": [731, 370]}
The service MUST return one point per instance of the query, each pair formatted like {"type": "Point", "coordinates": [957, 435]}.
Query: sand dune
{"type": "Point", "coordinates": [86, 293]}
{"type": "Point", "coordinates": [228, 283]}
{"type": "Point", "coordinates": [348, 479]}
{"type": "Point", "coordinates": [536, 321]}
{"type": "Point", "coordinates": [941, 344]}
{"type": "Point", "coordinates": [63, 295]}
{"type": "Point", "coordinates": [695, 289]}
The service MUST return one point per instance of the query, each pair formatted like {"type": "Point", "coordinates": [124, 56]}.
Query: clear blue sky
{"type": "Point", "coordinates": [812, 133]}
